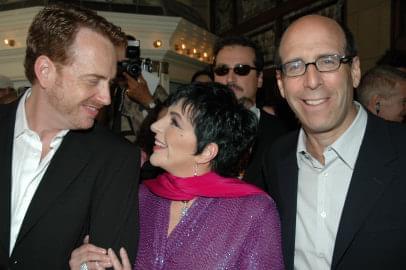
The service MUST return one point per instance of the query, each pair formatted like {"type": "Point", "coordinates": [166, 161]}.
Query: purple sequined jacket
{"type": "Point", "coordinates": [216, 233]}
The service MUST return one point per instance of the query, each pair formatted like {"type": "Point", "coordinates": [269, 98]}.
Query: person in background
{"type": "Point", "coordinates": [204, 75]}
{"type": "Point", "coordinates": [238, 64]}
{"type": "Point", "coordinates": [339, 182]}
{"type": "Point", "coordinates": [197, 215]}
{"type": "Point", "coordinates": [63, 177]}
{"type": "Point", "coordinates": [383, 92]}
{"type": "Point", "coordinates": [7, 91]}
{"type": "Point", "coordinates": [269, 100]}
{"type": "Point", "coordinates": [131, 99]}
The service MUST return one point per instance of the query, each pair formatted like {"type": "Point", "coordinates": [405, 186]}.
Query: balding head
{"type": "Point", "coordinates": [313, 24]}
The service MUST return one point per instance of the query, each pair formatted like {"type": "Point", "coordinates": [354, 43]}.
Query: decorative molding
{"type": "Point", "coordinates": [14, 25]}
{"type": "Point", "coordinates": [11, 55]}
{"type": "Point", "coordinates": [147, 28]}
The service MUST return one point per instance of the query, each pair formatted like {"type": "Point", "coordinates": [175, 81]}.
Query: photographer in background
{"type": "Point", "coordinates": [132, 99]}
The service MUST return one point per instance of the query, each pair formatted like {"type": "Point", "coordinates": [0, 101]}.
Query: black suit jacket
{"type": "Point", "coordinates": [90, 187]}
{"type": "Point", "coordinates": [270, 128]}
{"type": "Point", "coordinates": [372, 229]}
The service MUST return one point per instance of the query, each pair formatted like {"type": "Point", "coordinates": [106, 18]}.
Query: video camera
{"type": "Point", "coordinates": [134, 64]}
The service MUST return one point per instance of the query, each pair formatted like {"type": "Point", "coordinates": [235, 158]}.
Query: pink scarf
{"type": "Point", "coordinates": [209, 185]}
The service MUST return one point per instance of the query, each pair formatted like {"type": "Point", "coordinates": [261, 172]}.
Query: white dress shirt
{"type": "Point", "coordinates": [322, 190]}
{"type": "Point", "coordinates": [27, 167]}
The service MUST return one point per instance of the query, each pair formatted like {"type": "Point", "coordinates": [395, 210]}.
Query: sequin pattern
{"type": "Point", "coordinates": [216, 233]}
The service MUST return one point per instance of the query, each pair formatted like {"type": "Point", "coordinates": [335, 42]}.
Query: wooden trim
{"type": "Point", "coordinates": [100, 6]}
{"type": "Point", "coordinates": [396, 23]}
{"type": "Point", "coordinates": [265, 17]}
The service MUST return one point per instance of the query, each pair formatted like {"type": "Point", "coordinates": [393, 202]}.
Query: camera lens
{"type": "Point", "coordinates": [133, 69]}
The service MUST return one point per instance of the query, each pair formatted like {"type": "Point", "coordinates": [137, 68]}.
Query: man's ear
{"type": "Point", "coordinates": [355, 71]}
{"type": "Point", "coordinates": [208, 154]}
{"type": "Point", "coordinates": [260, 79]}
{"type": "Point", "coordinates": [44, 70]}
{"type": "Point", "coordinates": [278, 75]}
{"type": "Point", "coordinates": [374, 104]}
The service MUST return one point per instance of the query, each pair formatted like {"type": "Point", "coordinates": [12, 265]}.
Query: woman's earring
{"type": "Point", "coordinates": [195, 170]}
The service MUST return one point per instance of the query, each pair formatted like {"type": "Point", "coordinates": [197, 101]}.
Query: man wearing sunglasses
{"type": "Point", "coordinates": [238, 64]}
{"type": "Point", "coordinates": [339, 182]}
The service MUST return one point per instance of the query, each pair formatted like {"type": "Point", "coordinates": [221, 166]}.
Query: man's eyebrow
{"type": "Point", "coordinates": [93, 76]}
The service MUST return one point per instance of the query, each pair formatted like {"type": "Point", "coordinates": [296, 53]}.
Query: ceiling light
{"type": "Point", "coordinates": [157, 43]}
{"type": "Point", "coordinates": [9, 42]}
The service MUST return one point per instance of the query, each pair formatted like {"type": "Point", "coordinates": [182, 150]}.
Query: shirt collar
{"type": "Point", "coordinates": [21, 124]}
{"type": "Point", "coordinates": [352, 136]}
{"type": "Point", "coordinates": [256, 111]}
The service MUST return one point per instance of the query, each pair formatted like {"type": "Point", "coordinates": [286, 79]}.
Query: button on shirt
{"type": "Point", "coordinates": [28, 168]}
{"type": "Point", "coordinates": [322, 190]}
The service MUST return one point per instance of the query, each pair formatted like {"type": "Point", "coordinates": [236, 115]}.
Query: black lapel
{"type": "Point", "coordinates": [287, 196]}
{"type": "Point", "coordinates": [371, 175]}
{"type": "Point", "coordinates": [71, 157]}
{"type": "Point", "coordinates": [7, 120]}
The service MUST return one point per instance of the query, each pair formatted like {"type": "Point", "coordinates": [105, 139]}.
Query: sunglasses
{"type": "Point", "coordinates": [241, 70]}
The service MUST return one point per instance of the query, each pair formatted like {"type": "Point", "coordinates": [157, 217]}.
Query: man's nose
{"type": "Point", "coordinates": [104, 94]}
{"type": "Point", "coordinates": [312, 77]}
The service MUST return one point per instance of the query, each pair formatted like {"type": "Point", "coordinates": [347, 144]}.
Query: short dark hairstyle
{"type": "Point", "coordinates": [350, 45]}
{"type": "Point", "coordinates": [240, 41]}
{"type": "Point", "coordinates": [218, 117]}
{"type": "Point", "coordinates": [54, 30]}
{"type": "Point", "coordinates": [205, 71]}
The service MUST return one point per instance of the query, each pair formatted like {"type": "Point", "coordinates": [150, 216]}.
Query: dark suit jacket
{"type": "Point", "coordinates": [372, 229]}
{"type": "Point", "coordinates": [270, 128]}
{"type": "Point", "coordinates": [90, 187]}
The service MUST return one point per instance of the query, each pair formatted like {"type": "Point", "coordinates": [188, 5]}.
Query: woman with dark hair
{"type": "Point", "coordinates": [198, 215]}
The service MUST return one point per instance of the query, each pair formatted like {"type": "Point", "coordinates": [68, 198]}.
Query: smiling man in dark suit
{"type": "Point", "coordinates": [339, 182]}
{"type": "Point", "coordinates": [62, 177]}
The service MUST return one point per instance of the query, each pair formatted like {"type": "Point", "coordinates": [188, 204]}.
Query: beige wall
{"type": "Point", "coordinates": [369, 20]}
{"type": "Point", "coordinates": [147, 28]}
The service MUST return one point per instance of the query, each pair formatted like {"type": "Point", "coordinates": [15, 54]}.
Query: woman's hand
{"type": "Point", "coordinates": [94, 257]}
{"type": "Point", "coordinates": [116, 262]}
